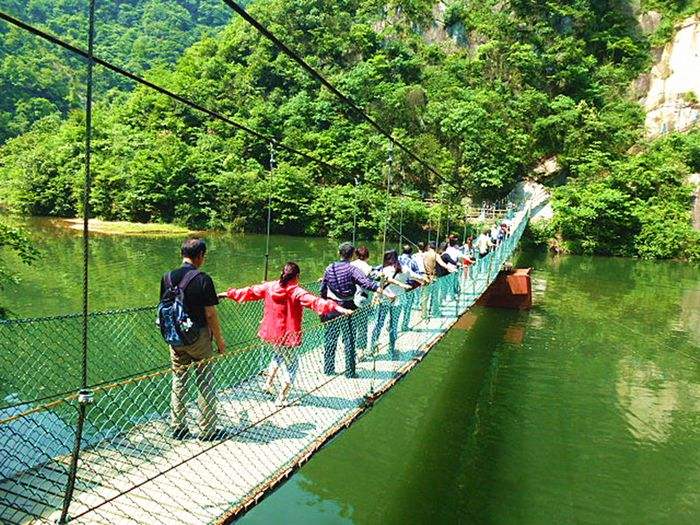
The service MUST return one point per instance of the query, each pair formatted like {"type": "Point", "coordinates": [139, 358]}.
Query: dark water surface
{"type": "Point", "coordinates": [585, 409]}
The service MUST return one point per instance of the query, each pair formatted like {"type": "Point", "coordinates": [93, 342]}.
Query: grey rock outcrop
{"type": "Point", "coordinates": [672, 100]}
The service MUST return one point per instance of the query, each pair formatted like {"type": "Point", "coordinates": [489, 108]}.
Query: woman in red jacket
{"type": "Point", "coordinates": [281, 322]}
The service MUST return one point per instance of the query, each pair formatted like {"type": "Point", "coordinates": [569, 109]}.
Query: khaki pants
{"type": "Point", "coordinates": [181, 359]}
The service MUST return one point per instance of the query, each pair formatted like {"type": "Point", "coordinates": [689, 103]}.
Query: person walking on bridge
{"type": "Point", "coordinates": [430, 265]}
{"type": "Point", "coordinates": [484, 243]}
{"type": "Point", "coordinates": [416, 278]}
{"type": "Point", "coordinates": [285, 301]}
{"type": "Point", "coordinates": [200, 302]}
{"type": "Point", "coordinates": [395, 278]}
{"type": "Point", "coordinates": [339, 284]}
{"type": "Point", "coordinates": [362, 298]}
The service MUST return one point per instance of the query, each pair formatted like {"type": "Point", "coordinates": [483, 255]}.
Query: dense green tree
{"type": "Point", "coordinates": [505, 86]}
{"type": "Point", "coordinates": [38, 79]}
{"type": "Point", "coordinates": [15, 240]}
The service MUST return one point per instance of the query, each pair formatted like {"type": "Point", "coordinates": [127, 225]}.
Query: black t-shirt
{"type": "Point", "coordinates": [198, 294]}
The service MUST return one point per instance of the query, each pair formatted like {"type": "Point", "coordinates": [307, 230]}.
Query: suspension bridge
{"type": "Point", "coordinates": [129, 468]}
{"type": "Point", "coordinates": [84, 433]}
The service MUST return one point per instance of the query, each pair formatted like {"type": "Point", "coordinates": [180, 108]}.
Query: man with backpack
{"type": "Point", "coordinates": [188, 321]}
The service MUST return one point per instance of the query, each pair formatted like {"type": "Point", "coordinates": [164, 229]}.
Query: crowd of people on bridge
{"type": "Point", "coordinates": [190, 324]}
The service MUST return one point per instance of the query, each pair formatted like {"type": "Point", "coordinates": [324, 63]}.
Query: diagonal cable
{"type": "Point", "coordinates": [320, 78]}
{"type": "Point", "coordinates": [160, 89]}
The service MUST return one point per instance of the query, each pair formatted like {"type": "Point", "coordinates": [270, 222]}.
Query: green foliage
{"type": "Point", "coordinates": [672, 11]}
{"type": "Point", "coordinates": [38, 79]}
{"type": "Point", "coordinates": [539, 233]}
{"type": "Point", "coordinates": [640, 207]}
{"type": "Point", "coordinates": [517, 83]}
{"type": "Point", "coordinates": [15, 240]}
{"type": "Point", "coordinates": [595, 219]}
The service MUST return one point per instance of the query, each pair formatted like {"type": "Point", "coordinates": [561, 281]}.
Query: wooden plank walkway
{"type": "Point", "coordinates": [145, 476]}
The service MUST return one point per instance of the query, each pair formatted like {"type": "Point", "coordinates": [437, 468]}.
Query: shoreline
{"type": "Point", "coordinates": [122, 228]}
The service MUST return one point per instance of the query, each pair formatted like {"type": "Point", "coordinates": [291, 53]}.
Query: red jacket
{"type": "Point", "coordinates": [284, 305]}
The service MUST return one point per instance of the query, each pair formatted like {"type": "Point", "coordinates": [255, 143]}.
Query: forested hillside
{"type": "Point", "coordinates": [484, 94]}
{"type": "Point", "coordinates": [38, 79]}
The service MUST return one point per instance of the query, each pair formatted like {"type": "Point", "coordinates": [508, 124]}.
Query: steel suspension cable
{"type": "Point", "coordinates": [269, 210]}
{"type": "Point", "coordinates": [160, 89]}
{"type": "Point", "coordinates": [320, 78]}
{"type": "Point", "coordinates": [164, 91]}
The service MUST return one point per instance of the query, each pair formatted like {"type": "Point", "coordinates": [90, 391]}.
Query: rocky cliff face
{"type": "Point", "coordinates": [670, 93]}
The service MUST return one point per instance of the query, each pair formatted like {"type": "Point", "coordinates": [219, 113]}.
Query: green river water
{"type": "Point", "coordinates": [585, 409]}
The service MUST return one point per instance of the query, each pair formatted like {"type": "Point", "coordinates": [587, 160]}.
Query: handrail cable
{"type": "Point", "coordinates": [320, 78]}
{"type": "Point", "coordinates": [160, 89]}
{"type": "Point", "coordinates": [164, 91]}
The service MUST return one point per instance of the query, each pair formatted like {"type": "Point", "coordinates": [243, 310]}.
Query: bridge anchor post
{"type": "Point", "coordinates": [511, 289]}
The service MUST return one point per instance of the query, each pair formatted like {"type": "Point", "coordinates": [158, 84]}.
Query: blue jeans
{"type": "Point", "coordinates": [360, 320]}
{"type": "Point", "coordinates": [332, 331]}
{"type": "Point", "coordinates": [394, 312]}
{"type": "Point", "coordinates": [407, 301]}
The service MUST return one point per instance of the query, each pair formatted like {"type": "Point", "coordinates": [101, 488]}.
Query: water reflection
{"type": "Point", "coordinates": [125, 271]}
{"type": "Point", "coordinates": [582, 410]}
{"type": "Point", "coordinates": [690, 313]}
{"type": "Point", "coordinates": [648, 400]}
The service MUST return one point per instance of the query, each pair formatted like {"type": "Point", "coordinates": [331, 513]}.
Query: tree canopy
{"type": "Point", "coordinates": [483, 97]}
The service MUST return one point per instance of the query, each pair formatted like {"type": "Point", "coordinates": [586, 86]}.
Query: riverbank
{"type": "Point", "coordinates": [124, 228]}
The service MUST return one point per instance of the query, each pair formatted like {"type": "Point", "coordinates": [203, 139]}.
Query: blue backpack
{"type": "Point", "coordinates": [175, 324]}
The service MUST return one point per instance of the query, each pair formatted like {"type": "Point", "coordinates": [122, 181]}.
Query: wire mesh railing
{"type": "Point", "coordinates": [131, 469]}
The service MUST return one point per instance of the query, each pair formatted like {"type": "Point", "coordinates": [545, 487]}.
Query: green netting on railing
{"type": "Point", "coordinates": [131, 469]}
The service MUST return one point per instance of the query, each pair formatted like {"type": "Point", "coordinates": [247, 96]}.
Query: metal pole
{"type": "Point", "coordinates": [269, 210]}
{"type": "Point", "coordinates": [84, 396]}
{"type": "Point", "coordinates": [437, 234]}
{"type": "Point", "coordinates": [464, 233]}
{"type": "Point", "coordinates": [447, 230]}
{"type": "Point", "coordinates": [354, 217]}
{"type": "Point", "coordinates": [400, 221]}
{"type": "Point", "coordinates": [389, 161]}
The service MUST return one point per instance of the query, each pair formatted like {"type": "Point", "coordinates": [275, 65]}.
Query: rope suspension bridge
{"type": "Point", "coordinates": [87, 440]}
{"type": "Point", "coordinates": [130, 469]}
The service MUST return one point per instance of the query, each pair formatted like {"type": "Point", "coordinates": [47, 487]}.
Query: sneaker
{"type": "Point", "coordinates": [181, 433]}
{"type": "Point", "coordinates": [219, 434]}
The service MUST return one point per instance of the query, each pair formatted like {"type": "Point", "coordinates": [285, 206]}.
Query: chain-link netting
{"type": "Point", "coordinates": [239, 437]}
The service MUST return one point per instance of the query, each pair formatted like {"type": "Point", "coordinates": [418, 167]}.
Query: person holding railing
{"type": "Point", "coordinates": [362, 297]}
{"type": "Point", "coordinates": [395, 280]}
{"type": "Point", "coordinates": [280, 326]}
{"type": "Point", "coordinates": [416, 278]}
{"type": "Point", "coordinates": [430, 265]}
{"type": "Point", "coordinates": [484, 243]}
{"type": "Point", "coordinates": [339, 283]}
{"type": "Point", "coordinates": [200, 300]}
{"type": "Point", "coordinates": [445, 265]}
